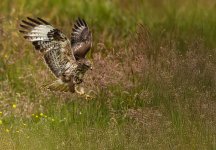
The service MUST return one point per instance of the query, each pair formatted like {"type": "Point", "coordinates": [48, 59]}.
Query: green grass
{"type": "Point", "coordinates": [153, 78]}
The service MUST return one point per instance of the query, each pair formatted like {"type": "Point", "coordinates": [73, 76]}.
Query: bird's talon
{"type": "Point", "coordinates": [88, 97]}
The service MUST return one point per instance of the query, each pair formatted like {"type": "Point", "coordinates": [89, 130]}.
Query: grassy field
{"type": "Point", "coordinates": [154, 77]}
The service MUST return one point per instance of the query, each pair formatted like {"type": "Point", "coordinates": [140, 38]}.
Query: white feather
{"type": "Point", "coordinates": [40, 33]}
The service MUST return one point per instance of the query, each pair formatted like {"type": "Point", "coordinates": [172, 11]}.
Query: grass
{"type": "Point", "coordinates": [153, 79]}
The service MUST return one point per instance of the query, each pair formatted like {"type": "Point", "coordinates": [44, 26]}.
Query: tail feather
{"type": "Point", "coordinates": [58, 85]}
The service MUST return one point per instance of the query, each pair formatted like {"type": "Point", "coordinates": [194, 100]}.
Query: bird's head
{"type": "Point", "coordinates": [85, 64]}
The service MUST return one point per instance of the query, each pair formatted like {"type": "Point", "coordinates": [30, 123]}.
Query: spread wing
{"type": "Point", "coordinates": [81, 39]}
{"type": "Point", "coordinates": [51, 42]}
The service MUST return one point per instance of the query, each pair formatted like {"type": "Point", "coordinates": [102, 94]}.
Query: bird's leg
{"type": "Point", "coordinates": [82, 92]}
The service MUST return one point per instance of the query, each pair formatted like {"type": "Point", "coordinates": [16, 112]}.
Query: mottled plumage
{"type": "Point", "coordinates": [65, 58]}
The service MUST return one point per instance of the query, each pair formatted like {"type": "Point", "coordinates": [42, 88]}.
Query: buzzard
{"type": "Point", "coordinates": [65, 57]}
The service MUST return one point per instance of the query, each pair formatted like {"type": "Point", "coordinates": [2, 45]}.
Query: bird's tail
{"type": "Point", "coordinates": [58, 85]}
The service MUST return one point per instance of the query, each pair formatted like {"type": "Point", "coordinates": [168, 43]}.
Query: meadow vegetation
{"type": "Point", "coordinates": [153, 79]}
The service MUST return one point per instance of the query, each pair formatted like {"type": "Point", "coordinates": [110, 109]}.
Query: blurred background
{"type": "Point", "coordinates": [154, 77]}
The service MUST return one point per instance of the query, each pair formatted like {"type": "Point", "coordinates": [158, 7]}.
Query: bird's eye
{"type": "Point", "coordinates": [87, 65]}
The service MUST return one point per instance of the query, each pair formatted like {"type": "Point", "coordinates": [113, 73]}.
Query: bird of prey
{"type": "Point", "coordinates": [65, 57]}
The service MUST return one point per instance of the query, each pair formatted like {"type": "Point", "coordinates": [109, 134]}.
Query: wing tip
{"type": "Point", "coordinates": [81, 22]}
{"type": "Point", "coordinates": [26, 37]}
{"type": "Point", "coordinates": [29, 18]}
{"type": "Point", "coordinates": [43, 21]}
{"type": "Point", "coordinates": [22, 31]}
{"type": "Point", "coordinates": [34, 20]}
{"type": "Point", "coordinates": [28, 23]}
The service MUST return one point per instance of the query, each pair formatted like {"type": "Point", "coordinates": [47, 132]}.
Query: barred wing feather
{"type": "Point", "coordinates": [51, 42]}
{"type": "Point", "coordinates": [81, 38]}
